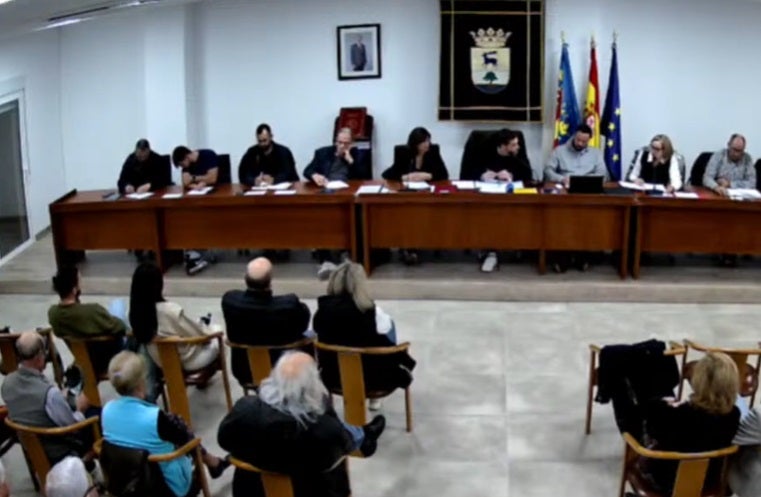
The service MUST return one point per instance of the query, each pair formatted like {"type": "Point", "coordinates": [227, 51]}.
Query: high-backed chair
{"type": "Point", "coordinates": [748, 372]}
{"type": "Point", "coordinates": [136, 469]}
{"type": "Point", "coordinates": [166, 170]}
{"type": "Point", "coordinates": [699, 168]}
{"type": "Point", "coordinates": [675, 349]}
{"type": "Point", "coordinates": [690, 477]}
{"type": "Point", "coordinates": [757, 166]}
{"type": "Point", "coordinates": [224, 175]}
{"type": "Point", "coordinates": [261, 358]}
{"type": "Point", "coordinates": [274, 484]}
{"type": "Point", "coordinates": [10, 360]}
{"type": "Point", "coordinates": [352, 387]}
{"type": "Point", "coordinates": [82, 350]}
{"type": "Point", "coordinates": [176, 379]}
{"type": "Point", "coordinates": [362, 125]}
{"type": "Point", "coordinates": [29, 436]}
{"type": "Point", "coordinates": [479, 145]}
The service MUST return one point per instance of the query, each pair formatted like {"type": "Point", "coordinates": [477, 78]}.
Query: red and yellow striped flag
{"type": "Point", "coordinates": [592, 108]}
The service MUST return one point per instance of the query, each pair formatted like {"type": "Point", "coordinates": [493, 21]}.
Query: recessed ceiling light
{"type": "Point", "coordinates": [5, 1]}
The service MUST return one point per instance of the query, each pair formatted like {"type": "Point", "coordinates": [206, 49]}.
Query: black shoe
{"type": "Point", "coordinates": [373, 431]}
{"type": "Point", "coordinates": [220, 468]}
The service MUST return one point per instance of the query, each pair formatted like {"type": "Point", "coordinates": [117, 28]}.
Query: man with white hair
{"type": "Point", "coordinates": [291, 428]}
{"type": "Point", "coordinates": [69, 478]}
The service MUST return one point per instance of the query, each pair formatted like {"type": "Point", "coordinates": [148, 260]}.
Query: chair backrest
{"type": "Point", "coordinates": [275, 484]}
{"type": "Point", "coordinates": [352, 376]}
{"type": "Point", "coordinates": [128, 472]}
{"type": "Point", "coordinates": [400, 151]}
{"type": "Point", "coordinates": [224, 176]}
{"type": "Point", "coordinates": [758, 174]}
{"type": "Point", "coordinates": [166, 170]}
{"type": "Point", "coordinates": [260, 357]}
{"type": "Point", "coordinates": [480, 143]}
{"type": "Point", "coordinates": [699, 168]}
{"type": "Point", "coordinates": [739, 356]}
{"type": "Point", "coordinates": [80, 349]}
{"type": "Point", "coordinates": [174, 377]}
{"type": "Point", "coordinates": [9, 356]}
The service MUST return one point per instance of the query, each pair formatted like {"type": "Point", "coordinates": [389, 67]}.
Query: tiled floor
{"type": "Point", "coordinates": [498, 396]}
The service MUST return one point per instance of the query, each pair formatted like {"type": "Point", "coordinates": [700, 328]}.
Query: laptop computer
{"type": "Point", "coordinates": [586, 184]}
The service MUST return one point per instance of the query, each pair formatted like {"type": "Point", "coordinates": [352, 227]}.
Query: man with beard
{"type": "Point", "coordinates": [267, 162]}
{"type": "Point", "coordinates": [143, 171]}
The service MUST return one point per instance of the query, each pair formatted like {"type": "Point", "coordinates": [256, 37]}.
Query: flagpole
{"type": "Point", "coordinates": [562, 37]}
{"type": "Point", "coordinates": [615, 38]}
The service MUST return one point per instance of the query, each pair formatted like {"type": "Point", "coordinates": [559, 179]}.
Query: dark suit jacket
{"type": "Point", "coordinates": [323, 159]}
{"type": "Point", "coordinates": [137, 173]}
{"type": "Point", "coordinates": [279, 164]}
{"type": "Point", "coordinates": [259, 318]}
{"type": "Point", "coordinates": [339, 322]}
{"type": "Point", "coordinates": [275, 441]}
{"type": "Point", "coordinates": [404, 163]}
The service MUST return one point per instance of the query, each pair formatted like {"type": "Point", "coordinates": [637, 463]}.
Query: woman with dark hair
{"type": "Point", "coordinates": [151, 315]}
{"type": "Point", "coordinates": [418, 161]}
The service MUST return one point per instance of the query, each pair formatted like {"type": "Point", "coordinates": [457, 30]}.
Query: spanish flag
{"type": "Point", "coordinates": [592, 108]}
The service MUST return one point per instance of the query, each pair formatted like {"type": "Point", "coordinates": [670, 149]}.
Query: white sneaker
{"type": "Point", "coordinates": [326, 269]}
{"type": "Point", "coordinates": [490, 262]}
{"type": "Point", "coordinates": [374, 404]}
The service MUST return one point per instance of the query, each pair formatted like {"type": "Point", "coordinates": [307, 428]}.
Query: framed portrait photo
{"type": "Point", "coordinates": [359, 55]}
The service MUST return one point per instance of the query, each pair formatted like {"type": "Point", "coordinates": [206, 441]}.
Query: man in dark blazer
{"type": "Point", "coordinates": [266, 162]}
{"type": "Point", "coordinates": [342, 161]}
{"type": "Point", "coordinates": [256, 317]}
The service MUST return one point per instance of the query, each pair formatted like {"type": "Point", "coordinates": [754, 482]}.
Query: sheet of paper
{"type": "Point", "coordinates": [416, 185]}
{"type": "Point", "coordinates": [172, 195]}
{"type": "Point", "coordinates": [492, 187]}
{"type": "Point", "coordinates": [280, 186]}
{"type": "Point", "coordinates": [750, 193]}
{"type": "Point", "coordinates": [517, 185]}
{"type": "Point", "coordinates": [643, 187]}
{"type": "Point", "coordinates": [255, 193]}
{"type": "Point", "coordinates": [685, 195]}
{"type": "Point", "coordinates": [336, 185]}
{"type": "Point", "coordinates": [285, 192]}
{"type": "Point", "coordinates": [139, 196]}
{"type": "Point", "coordinates": [369, 189]}
{"type": "Point", "coordinates": [464, 185]}
{"type": "Point", "coordinates": [202, 191]}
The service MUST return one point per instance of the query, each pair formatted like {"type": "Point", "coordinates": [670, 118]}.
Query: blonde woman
{"type": "Point", "coordinates": [348, 316]}
{"type": "Point", "coordinates": [129, 421]}
{"type": "Point", "coordinates": [657, 164]}
{"type": "Point", "coordinates": [707, 421]}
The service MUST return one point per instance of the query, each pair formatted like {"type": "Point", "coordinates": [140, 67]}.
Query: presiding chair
{"type": "Point", "coordinates": [224, 176]}
{"type": "Point", "coordinates": [690, 476]}
{"type": "Point", "coordinates": [29, 436]}
{"type": "Point", "coordinates": [176, 379]}
{"type": "Point", "coordinates": [352, 379]}
{"type": "Point", "coordinates": [83, 349]}
{"type": "Point", "coordinates": [134, 472]}
{"type": "Point", "coordinates": [10, 360]}
{"type": "Point", "coordinates": [748, 373]}
{"type": "Point", "coordinates": [675, 349]}
{"type": "Point", "coordinates": [261, 358]}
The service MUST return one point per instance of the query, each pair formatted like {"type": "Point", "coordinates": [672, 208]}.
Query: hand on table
{"type": "Point", "coordinates": [319, 179]}
{"type": "Point", "coordinates": [418, 176]}
{"type": "Point", "coordinates": [264, 179]}
{"type": "Point", "coordinates": [504, 175]}
{"type": "Point", "coordinates": [489, 175]}
{"type": "Point", "coordinates": [144, 188]}
{"type": "Point", "coordinates": [129, 189]}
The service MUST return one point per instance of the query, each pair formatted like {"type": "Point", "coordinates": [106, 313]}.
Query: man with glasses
{"type": "Point", "coordinates": [730, 168]}
{"type": "Point", "coordinates": [267, 162]}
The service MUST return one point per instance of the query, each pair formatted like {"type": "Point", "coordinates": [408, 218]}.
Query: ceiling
{"type": "Point", "coordinates": [20, 16]}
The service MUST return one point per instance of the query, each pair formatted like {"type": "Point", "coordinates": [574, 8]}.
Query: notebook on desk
{"type": "Point", "coordinates": [586, 184]}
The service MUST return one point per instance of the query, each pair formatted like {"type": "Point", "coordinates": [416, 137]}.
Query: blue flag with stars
{"type": "Point", "coordinates": [611, 121]}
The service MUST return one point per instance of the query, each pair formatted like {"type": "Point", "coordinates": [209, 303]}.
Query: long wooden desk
{"type": "Point", "coordinates": [223, 218]}
{"type": "Point", "coordinates": [472, 220]}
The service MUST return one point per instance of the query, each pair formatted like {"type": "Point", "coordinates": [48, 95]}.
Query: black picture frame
{"type": "Point", "coordinates": [358, 51]}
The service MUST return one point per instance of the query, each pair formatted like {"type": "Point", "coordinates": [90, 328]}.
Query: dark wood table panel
{"type": "Point", "coordinates": [574, 227]}
{"type": "Point", "coordinates": [115, 230]}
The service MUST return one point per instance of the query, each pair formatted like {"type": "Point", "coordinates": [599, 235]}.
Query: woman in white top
{"type": "Point", "coordinates": [151, 315]}
{"type": "Point", "coordinates": [657, 164]}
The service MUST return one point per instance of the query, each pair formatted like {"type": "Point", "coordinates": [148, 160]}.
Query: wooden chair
{"type": "Point", "coordinates": [748, 373]}
{"type": "Point", "coordinates": [176, 379]}
{"type": "Point", "coordinates": [29, 436]}
{"type": "Point", "coordinates": [675, 349]}
{"type": "Point", "coordinates": [275, 484]}
{"type": "Point", "coordinates": [80, 348]}
{"type": "Point", "coordinates": [192, 448]}
{"type": "Point", "coordinates": [260, 360]}
{"type": "Point", "coordinates": [353, 380]}
{"type": "Point", "coordinates": [10, 359]}
{"type": "Point", "coordinates": [690, 475]}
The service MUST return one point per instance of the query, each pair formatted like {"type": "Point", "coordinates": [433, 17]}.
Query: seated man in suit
{"type": "Point", "coordinates": [256, 317]}
{"type": "Point", "coordinates": [266, 162]}
{"type": "Point", "coordinates": [343, 162]}
{"type": "Point", "coordinates": [730, 168]}
{"type": "Point", "coordinates": [200, 168]}
{"type": "Point", "coordinates": [143, 170]}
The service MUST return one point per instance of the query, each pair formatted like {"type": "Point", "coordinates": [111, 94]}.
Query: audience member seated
{"type": "Point", "coordinates": [152, 316]}
{"type": "Point", "coordinates": [131, 422]}
{"type": "Point", "coordinates": [143, 170]}
{"type": "Point", "coordinates": [745, 471]}
{"type": "Point", "coordinates": [348, 316]}
{"type": "Point", "coordinates": [72, 319]}
{"type": "Point", "coordinates": [255, 316]}
{"type": "Point", "coordinates": [730, 168]}
{"type": "Point", "coordinates": [33, 400]}
{"type": "Point", "coordinates": [339, 162]}
{"type": "Point", "coordinates": [267, 162]}
{"type": "Point", "coordinates": [500, 162]}
{"type": "Point", "coordinates": [659, 165]}
{"type": "Point", "coordinates": [418, 161]}
{"type": "Point", "coordinates": [69, 478]}
{"type": "Point", "coordinates": [291, 428]}
{"type": "Point", "coordinates": [574, 158]}
{"type": "Point", "coordinates": [707, 421]}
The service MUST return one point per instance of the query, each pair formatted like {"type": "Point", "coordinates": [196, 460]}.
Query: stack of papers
{"type": "Point", "coordinates": [685, 195]}
{"type": "Point", "coordinates": [254, 193]}
{"type": "Point", "coordinates": [285, 192]}
{"type": "Point", "coordinates": [417, 185]}
{"type": "Point", "coordinates": [202, 191]}
{"type": "Point", "coordinates": [464, 185]}
{"type": "Point", "coordinates": [369, 189]}
{"type": "Point", "coordinates": [172, 195]}
{"type": "Point", "coordinates": [336, 185]}
{"type": "Point", "coordinates": [278, 186]}
{"type": "Point", "coordinates": [139, 196]}
{"type": "Point", "coordinates": [744, 193]}
{"type": "Point", "coordinates": [643, 187]}
{"type": "Point", "coordinates": [491, 187]}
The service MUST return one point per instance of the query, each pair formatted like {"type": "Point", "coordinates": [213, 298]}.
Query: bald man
{"type": "Point", "coordinates": [730, 168]}
{"type": "Point", "coordinates": [255, 316]}
{"type": "Point", "coordinates": [34, 401]}
{"type": "Point", "coordinates": [295, 431]}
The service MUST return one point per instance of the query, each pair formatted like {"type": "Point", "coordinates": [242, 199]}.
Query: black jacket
{"type": "Point", "coordinates": [274, 441]}
{"type": "Point", "coordinates": [323, 159]}
{"type": "Point", "coordinates": [136, 173]}
{"type": "Point", "coordinates": [279, 164]}
{"type": "Point", "coordinates": [339, 322]}
{"type": "Point", "coordinates": [259, 318]}
{"type": "Point", "coordinates": [404, 163]}
{"type": "Point", "coordinates": [492, 161]}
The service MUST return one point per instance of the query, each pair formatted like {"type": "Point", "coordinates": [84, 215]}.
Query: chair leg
{"type": "Point", "coordinates": [32, 474]}
{"type": "Point", "coordinates": [408, 408]}
{"type": "Point", "coordinates": [201, 469]}
{"type": "Point", "coordinates": [590, 389]}
{"type": "Point", "coordinates": [624, 464]}
{"type": "Point", "coordinates": [226, 383]}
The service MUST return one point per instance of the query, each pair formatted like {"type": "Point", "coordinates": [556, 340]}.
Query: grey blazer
{"type": "Point", "coordinates": [745, 471]}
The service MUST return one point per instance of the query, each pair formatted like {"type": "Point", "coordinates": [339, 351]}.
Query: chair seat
{"type": "Point", "coordinates": [377, 394]}
{"type": "Point", "coordinates": [749, 383]}
{"type": "Point", "coordinates": [643, 487]}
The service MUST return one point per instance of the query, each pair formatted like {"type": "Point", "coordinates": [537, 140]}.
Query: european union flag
{"type": "Point", "coordinates": [611, 121]}
{"type": "Point", "coordinates": [567, 116]}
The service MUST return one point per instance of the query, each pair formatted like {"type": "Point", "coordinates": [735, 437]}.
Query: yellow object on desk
{"type": "Point", "coordinates": [526, 191]}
